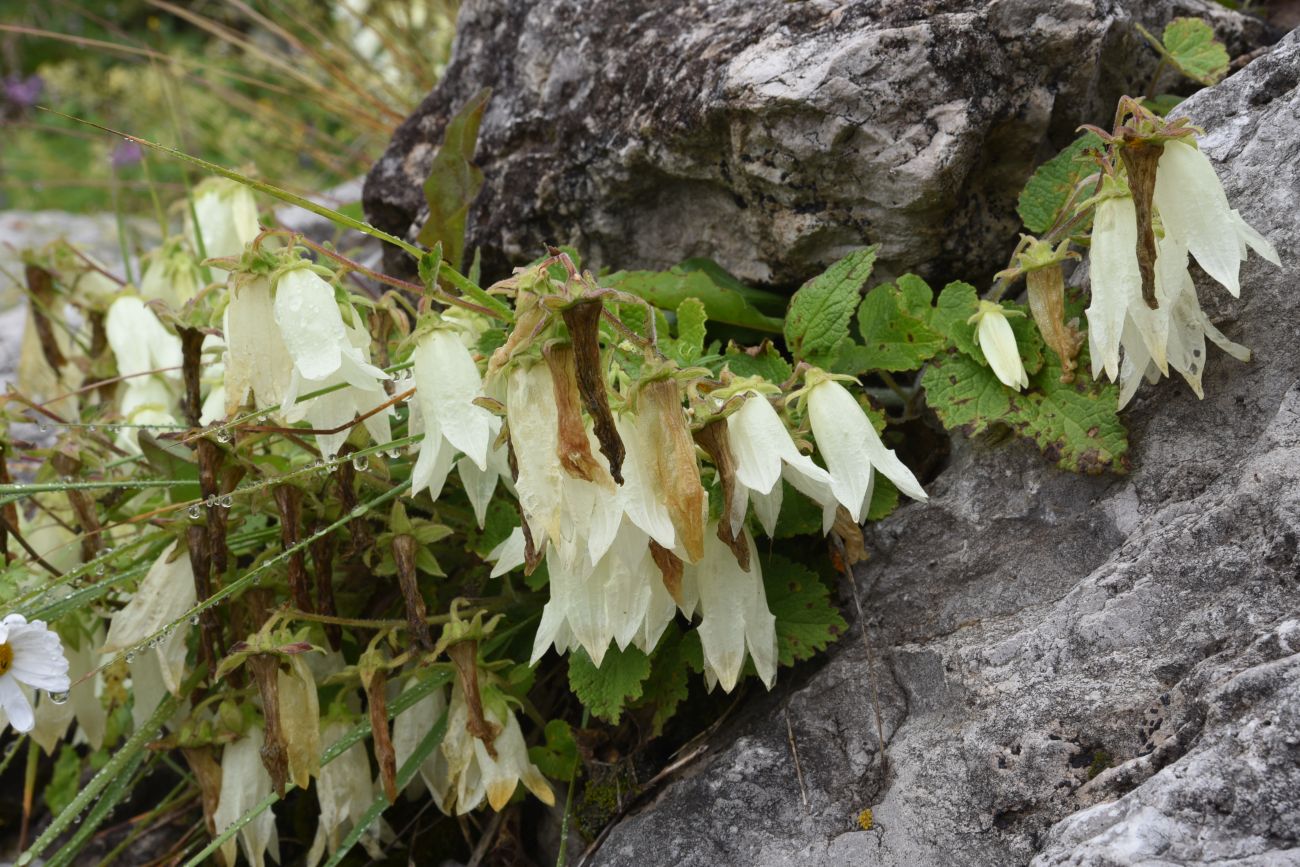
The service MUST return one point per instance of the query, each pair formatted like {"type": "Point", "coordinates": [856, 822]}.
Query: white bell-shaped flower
{"type": "Point", "coordinates": [257, 362]}
{"type": "Point", "coordinates": [345, 790]}
{"type": "Point", "coordinates": [172, 275]}
{"type": "Point", "coordinates": [447, 382]}
{"type": "Point", "coordinates": [764, 451]}
{"type": "Point", "coordinates": [409, 728]}
{"type": "Point", "coordinates": [30, 655]}
{"type": "Point", "coordinates": [1195, 211]}
{"type": "Point", "coordinates": [994, 336]}
{"type": "Point", "coordinates": [141, 344]}
{"type": "Point", "coordinates": [227, 218]}
{"type": "Point", "coordinates": [164, 595]}
{"type": "Point", "coordinates": [481, 774]}
{"type": "Point", "coordinates": [736, 617]}
{"type": "Point", "coordinates": [852, 449]}
{"type": "Point", "coordinates": [244, 784]}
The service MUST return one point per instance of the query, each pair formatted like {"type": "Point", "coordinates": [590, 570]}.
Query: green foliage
{"type": "Point", "coordinates": [688, 346]}
{"type": "Point", "coordinates": [884, 499]}
{"type": "Point", "coordinates": [454, 181]}
{"type": "Point", "coordinates": [678, 654]}
{"type": "Point", "coordinates": [1190, 47]}
{"type": "Point", "coordinates": [806, 621]}
{"type": "Point", "coordinates": [1075, 424]}
{"type": "Point", "coordinates": [606, 690]}
{"type": "Point", "coordinates": [1047, 192]}
{"type": "Point", "coordinates": [62, 787]}
{"type": "Point", "coordinates": [763, 360]}
{"type": "Point", "coordinates": [817, 321]}
{"type": "Point", "coordinates": [894, 323]}
{"type": "Point", "coordinates": [557, 756]}
{"type": "Point", "coordinates": [959, 301]}
{"type": "Point", "coordinates": [667, 290]}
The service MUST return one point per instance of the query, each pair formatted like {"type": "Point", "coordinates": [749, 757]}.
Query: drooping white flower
{"type": "Point", "coordinates": [244, 783]}
{"type": "Point", "coordinates": [345, 790]}
{"type": "Point", "coordinates": [227, 218]}
{"type": "Point", "coordinates": [30, 655]}
{"type": "Point", "coordinates": [447, 382]}
{"type": "Point", "coordinates": [994, 336]}
{"type": "Point", "coordinates": [141, 344]}
{"type": "Point", "coordinates": [764, 451]}
{"type": "Point", "coordinates": [736, 617]}
{"type": "Point", "coordinates": [614, 600]}
{"type": "Point", "coordinates": [409, 728]}
{"type": "Point", "coordinates": [852, 449]}
{"type": "Point", "coordinates": [291, 340]}
{"type": "Point", "coordinates": [171, 276]}
{"type": "Point", "coordinates": [164, 595]}
{"type": "Point", "coordinates": [1195, 211]}
{"type": "Point", "coordinates": [212, 377]}
{"type": "Point", "coordinates": [476, 773]}
{"type": "Point", "coordinates": [257, 361]}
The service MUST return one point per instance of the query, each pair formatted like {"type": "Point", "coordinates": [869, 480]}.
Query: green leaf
{"type": "Point", "coordinates": [606, 690]}
{"type": "Point", "coordinates": [958, 302]}
{"type": "Point", "coordinates": [1075, 424]}
{"type": "Point", "coordinates": [691, 318]}
{"type": "Point", "coordinates": [771, 303]}
{"type": "Point", "coordinates": [884, 499]}
{"type": "Point", "coordinates": [1163, 103]}
{"type": "Point", "coordinates": [454, 181]}
{"type": "Point", "coordinates": [819, 314]}
{"type": "Point", "coordinates": [1189, 45]}
{"type": "Point", "coordinates": [894, 324]}
{"type": "Point", "coordinates": [64, 781]}
{"type": "Point", "coordinates": [667, 290]}
{"type": "Point", "coordinates": [763, 360]}
{"type": "Point", "coordinates": [806, 621]}
{"type": "Point", "coordinates": [1048, 190]}
{"type": "Point", "coordinates": [677, 655]}
{"type": "Point", "coordinates": [556, 757]}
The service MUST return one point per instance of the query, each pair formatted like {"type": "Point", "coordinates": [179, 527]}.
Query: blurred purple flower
{"type": "Point", "coordinates": [126, 154]}
{"type": "Point", "coordinates": [23, 91]}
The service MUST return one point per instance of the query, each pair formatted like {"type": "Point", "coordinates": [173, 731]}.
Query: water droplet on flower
{"type": "Point", "coordinates": [45, 428]}
{"type": "Point", "coordinates": [90, 428]}
{"type": "Point", "coordinates": [227, 501]}
{"type": "Point", "coordinates": [58, 697]}
{"type": "Point", "coordinates": [359, 463]}
{"type": "Point", "coordinates": [195, 511]}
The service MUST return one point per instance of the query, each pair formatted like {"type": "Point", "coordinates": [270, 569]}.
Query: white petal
{"type": "Point", "coordinates": [1195, 211]}
{"type": "Point", "coordinates": [245, 782]}
{"type": "Point", "coordinates": [479, 486]}
{"type": "Point", "coordinates": [449, 380]}
{"type": "Point", "coordinates": [1254, 240]}
{"type": "Point", "coordinates": [759, 441]}
{"type": "Point", "coordinates": [1115, 280]}
{"type": "Point", "coordinates": [767, 507]}
{"type": "Point", "coordinates": [996, 338]}
{"type": "Point", "coordinates": [509, 554]}
{"type": "Point", "coordinates": [15, 704]}
{"type": "Point", "coordinates": [310, 323]}
{"type": "Point", "coordinates": [166, 592]}
{"type": "Point", "coordinates": [641, 497]}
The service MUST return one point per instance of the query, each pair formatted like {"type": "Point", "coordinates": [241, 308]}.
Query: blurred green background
{"type": "Point", "coordinates": [304, 93]}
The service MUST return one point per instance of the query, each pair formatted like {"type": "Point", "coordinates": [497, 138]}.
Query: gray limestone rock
{"type": "Point", "coordinates": [1068, 670]}
{"type": "Point", "coordinates": [771, 136]}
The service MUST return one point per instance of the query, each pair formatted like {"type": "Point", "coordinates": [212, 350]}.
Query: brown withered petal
{"type": "Point", "coordinates": [713, 439]}
{"type": "Point", "coordinates": [583, 320]}
{"type": "Point", "coordinates": [207, 772]}
{"type": "Point", "coordinates": [377, 701]}
{"type": "Point", "coordinates": [678, 471]}
{"type": "Point", "coordinates": [670, 567]}
{"type": "Point", "coordinates": [1047, 303]}
{"type": "Point", "coordinates": [404, 552]}
{"type": "Point", "coordinates": [1140, 159]}
{"type": "Point", "coordinates": [848, 531]}
{"type": "Point", "coordinates": [465, 655]}
{"type": "Point", "coordinates": [275, 755]}
{"type": "Point", "coordinates": [288, 500]}
{"type": "Point", "coordinates": [40, 283]}
{"type": "Point", "coordinates": [572, 447]}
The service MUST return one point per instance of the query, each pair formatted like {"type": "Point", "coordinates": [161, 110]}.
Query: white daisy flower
{"type": "Point", "coordinates": [30, 655]}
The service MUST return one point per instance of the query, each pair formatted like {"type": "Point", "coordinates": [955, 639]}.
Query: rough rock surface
{"type": "Point", "coordinates": [771, 136]}
{"type": "Point", "coordinates": [1073, 671]}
